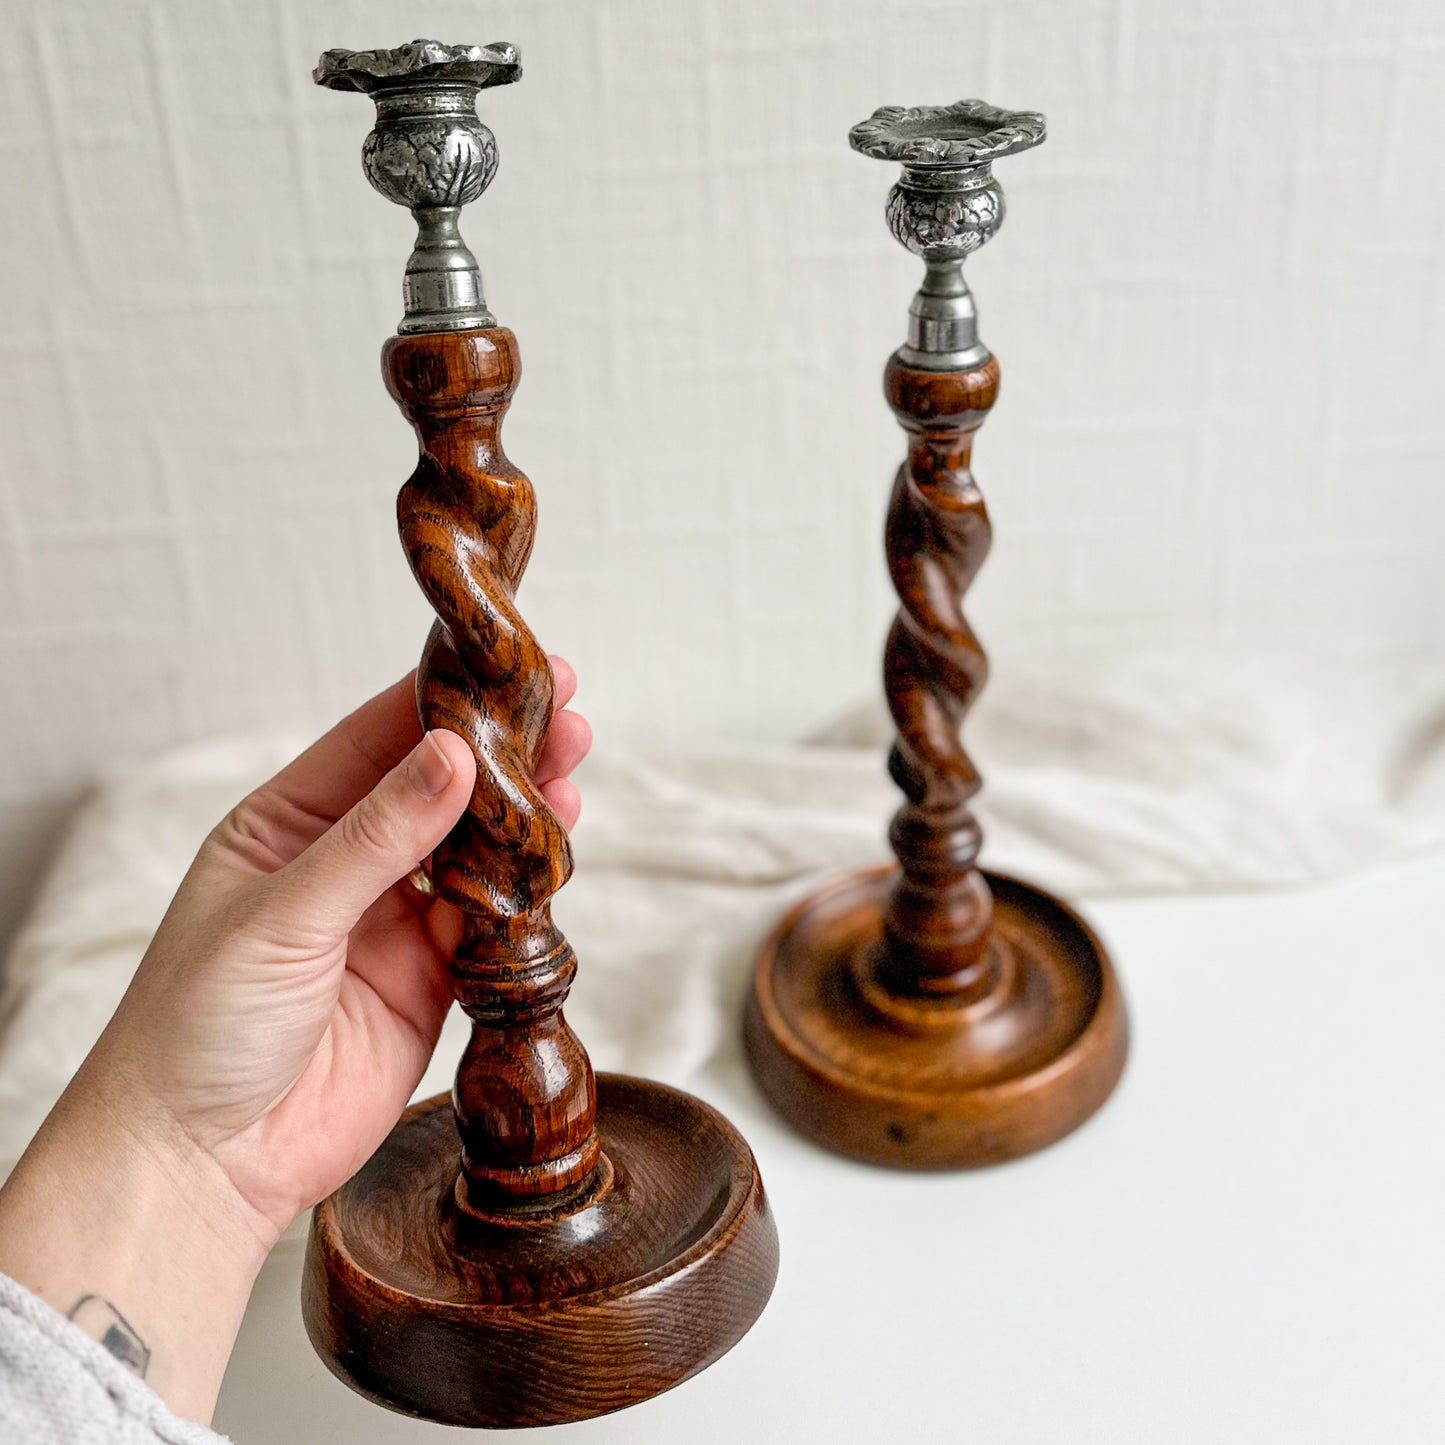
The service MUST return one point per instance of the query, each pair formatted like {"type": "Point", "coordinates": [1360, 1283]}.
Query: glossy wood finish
{"type": "Point", "coordinates": [928, 1084]}
{"type": "Point", "coordinates": [931, 1015]}
{"type": "Point", "coordinates": [563, 1262]}
{"type": "Point", "coordinates": [937, 921]}
{"type": "Point", "coordinates": [492, 1326]}
{"type": "Point", "coordinates": [524, 1091]}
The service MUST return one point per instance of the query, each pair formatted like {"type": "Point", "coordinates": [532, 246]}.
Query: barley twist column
{"type": "Point", "coordinates": [525, 1095]}
{"type": "Point", "coordinates": [938, 915]}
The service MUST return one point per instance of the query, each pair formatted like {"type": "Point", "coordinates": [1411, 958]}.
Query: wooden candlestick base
{"type": "Point", "coordinates": [920, 1083]}
{"type": "Point", "coordinates": [573, 1314]}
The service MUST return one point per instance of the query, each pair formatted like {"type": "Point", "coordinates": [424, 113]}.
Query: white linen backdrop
{"type": "Point", "coordinates": [1161, 775]}
{"type": "Point", "coordinates": [1217, 300]}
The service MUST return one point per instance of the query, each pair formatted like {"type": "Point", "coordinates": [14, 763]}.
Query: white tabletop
{"type": "Point", "coordinates": [1245, 1245]}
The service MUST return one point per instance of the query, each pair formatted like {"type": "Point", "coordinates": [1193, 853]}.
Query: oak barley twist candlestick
{"type": "Point", "coordinates": [934, 1015]}
{"type": "Point", "coordinates": [547, 1247]}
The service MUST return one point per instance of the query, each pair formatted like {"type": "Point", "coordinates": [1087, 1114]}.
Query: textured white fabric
{"type": "Point", "coordinates": [59, 1387]}
{"type": "Point", "coordinates": [1216, 300]}
{"type": "Point", "coordinates": [1169, 774]}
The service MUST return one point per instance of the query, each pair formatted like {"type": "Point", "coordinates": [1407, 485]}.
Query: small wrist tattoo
{"type": "Point", "coordinates": [102, 1321]}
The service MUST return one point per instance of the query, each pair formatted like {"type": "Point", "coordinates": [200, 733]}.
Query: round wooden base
{"type": "Point", "coordinates": [434, 1314]}
{"type": "Point", "coordinates": [921, 1084]}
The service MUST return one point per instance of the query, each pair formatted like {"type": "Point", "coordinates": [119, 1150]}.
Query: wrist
{"type": "Point", "coordinates": [109, 1219]}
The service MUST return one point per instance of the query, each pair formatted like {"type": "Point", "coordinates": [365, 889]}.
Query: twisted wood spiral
{"type": "Point", "coordinates": [937, 917]}
{"type": "Point", "coordinates": [525, 1096]}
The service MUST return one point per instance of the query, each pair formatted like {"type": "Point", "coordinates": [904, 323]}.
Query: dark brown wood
{"type": "Point", "coordinates": [581, 1251]}
{"type": "Point", "coordinates": [501, 1327]}
{"type": "Point", "coordinates": [525, 1095]}
{"type": "Point", "coordinates": [936, 926]}
{"type": "Point", "coordinates": [931, 1015]}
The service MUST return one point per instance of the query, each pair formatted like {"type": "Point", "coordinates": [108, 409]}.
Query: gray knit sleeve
{"type": "Point", "coordinates": [59, 1387]}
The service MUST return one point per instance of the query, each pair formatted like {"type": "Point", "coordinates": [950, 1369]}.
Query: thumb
{"type": "Point", "coordinates": [404, 817]}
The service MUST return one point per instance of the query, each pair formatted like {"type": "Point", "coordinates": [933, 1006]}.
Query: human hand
{"type": "Point", "coordinates": [274, 1031]}
{"type": "Point", "coordinates": [299, 979]}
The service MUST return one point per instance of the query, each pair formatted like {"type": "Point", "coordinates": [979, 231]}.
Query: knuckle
{"type": "Point", "coordinates": [248, 832]}
{"type": "Point", "coordinates": [372, 827]}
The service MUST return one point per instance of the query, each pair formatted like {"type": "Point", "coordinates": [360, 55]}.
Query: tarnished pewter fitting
{"type": "Point", "coordinates": [431, 153]}
{"type": "Point", "coordinates": [945, 206]}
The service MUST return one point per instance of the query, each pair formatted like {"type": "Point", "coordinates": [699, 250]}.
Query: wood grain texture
{"type": "Point", "coordinates": [417, 1306]}
{"type": "Point", "coordinates": [565, 1262]}
{"type": "Point", "coordinates": [524, 1092]}
{"type": "Point", "coordinates": [920, 1083]}
{"type": "Point", "coordinates": [930, 1015]}
{"type": "Point", "coordinates": [937, 920]}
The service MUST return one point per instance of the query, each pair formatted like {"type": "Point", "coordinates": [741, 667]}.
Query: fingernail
{"type": "Point", "coordinates": [428, 769]}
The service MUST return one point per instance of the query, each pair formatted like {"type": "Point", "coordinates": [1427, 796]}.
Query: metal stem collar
{"type": "Point", "coordinates": [431, 153]}
{"type": "Point", "coordinates": [945, 206]}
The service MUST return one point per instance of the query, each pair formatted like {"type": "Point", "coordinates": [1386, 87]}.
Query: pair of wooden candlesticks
{"type": "Point", "coordinates": [599, 1240]}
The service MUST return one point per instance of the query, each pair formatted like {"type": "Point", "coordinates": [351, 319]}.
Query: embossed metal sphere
{"type": "Point", "coordinates": [430, 160]}
{"type": "Point", "coordinates": [944, 225]}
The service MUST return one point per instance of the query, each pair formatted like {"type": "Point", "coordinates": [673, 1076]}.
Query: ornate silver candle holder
{"type": "Point", "coordinates": [944, 207]}
{"type": "Point", "coordinates": [430, 153]}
